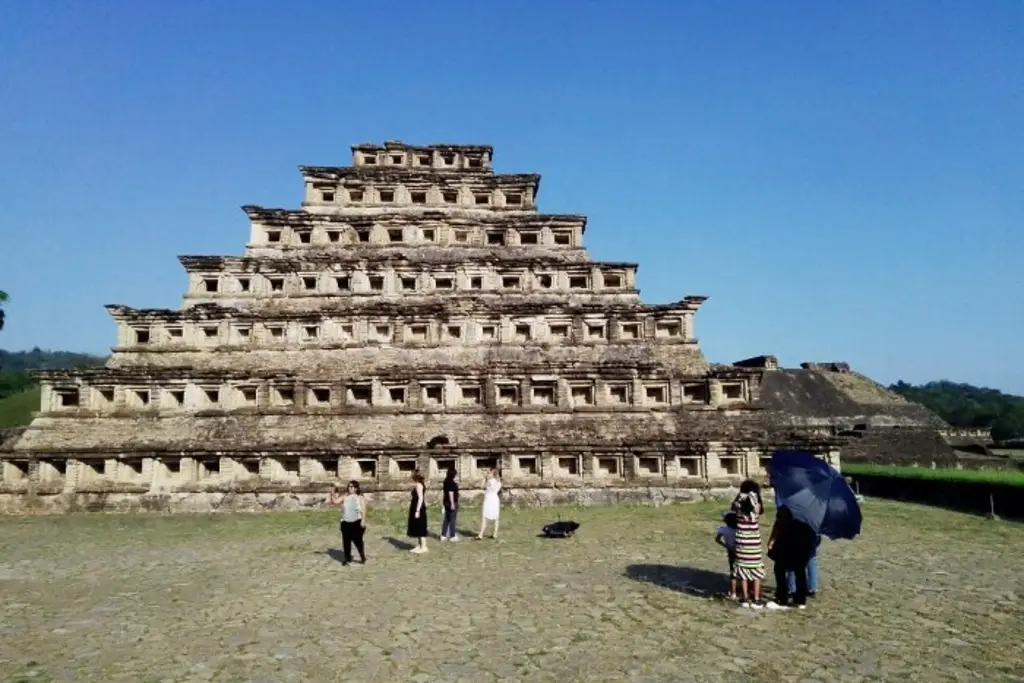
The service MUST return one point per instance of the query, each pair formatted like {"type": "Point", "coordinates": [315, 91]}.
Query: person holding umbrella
{"type": "Point", "coordinates": [812, 566]}
{"type": "Point", "coordinates": [812, 572]}
{"type": "Point", "coordinates": [790, 546]}
{"type": "Point", "coordinates": [814, 501]}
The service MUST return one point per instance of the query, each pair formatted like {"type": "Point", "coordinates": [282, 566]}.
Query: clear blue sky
{"type": "Point", "coordinates": [844, 180]}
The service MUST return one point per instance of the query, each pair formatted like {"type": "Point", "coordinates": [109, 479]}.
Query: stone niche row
{"type": "Point", "coordinates": [473, 193]}
{"type": "Point", "coordinates": [395, 156]}
{"type": "Point", "coordinates": [333, 332]}
{"type": "Point", "coordinates": [145, 473]}
{"type": "Point", "coordinates": [429, 232]}
{"type": "Point", "coordinates": [411, 280]}
{"type": "Point", "coordinates": [451, 394]}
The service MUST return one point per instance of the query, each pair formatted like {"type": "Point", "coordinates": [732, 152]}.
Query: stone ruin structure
{"type": "Point", "coordinates": [418, 312]}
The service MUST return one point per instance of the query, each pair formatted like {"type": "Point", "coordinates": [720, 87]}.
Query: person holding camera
{"type": "Point", "coordinates": [353, 520]}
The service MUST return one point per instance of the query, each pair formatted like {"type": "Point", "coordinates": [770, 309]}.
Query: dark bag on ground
{"type": "Point", "coordinates": [560, 529]}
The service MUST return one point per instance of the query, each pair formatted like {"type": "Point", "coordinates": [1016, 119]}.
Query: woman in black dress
{"type": "Point", "coordinates": [417, 527]}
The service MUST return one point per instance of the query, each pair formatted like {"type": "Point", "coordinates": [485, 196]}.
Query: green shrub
{"type": "Point", "coordinates": [999, 477]}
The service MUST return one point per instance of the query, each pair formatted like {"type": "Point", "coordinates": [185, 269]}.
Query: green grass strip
{"type": "Point", "coordinates": [998, 477]}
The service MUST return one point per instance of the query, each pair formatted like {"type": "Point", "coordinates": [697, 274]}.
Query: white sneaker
{"type": "Point", "coordinates": [756, 605]}
{"type": "Point", "coordinates": [454, 538]}
{"type": "Point", "coordinates": [801, 606]}
{"type": "Point", "coordinates": [775, 606]}
{"type": "Point", "coordinates": [443, 539]}
{"type": "Point", "coordinates": [417, 549]}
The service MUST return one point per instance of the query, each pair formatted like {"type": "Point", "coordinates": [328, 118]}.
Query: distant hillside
{"type": "Point", "coordinates": [16, 365]}
{"type": "Point", "coordinates": [37, 359]}
{"type": "Point", "coordinates": [964, 405]}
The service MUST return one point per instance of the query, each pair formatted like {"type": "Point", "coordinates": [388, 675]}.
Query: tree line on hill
{"type": "Point", "coordinates": [964, 405]}
{"type": "Point", "coordinates": [15, 367]}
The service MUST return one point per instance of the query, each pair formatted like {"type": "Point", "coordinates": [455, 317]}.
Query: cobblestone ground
{"type": "Point", "coordinates": [924, 595]}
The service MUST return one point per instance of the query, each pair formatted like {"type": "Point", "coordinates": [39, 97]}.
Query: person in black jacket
{"type": "Point", "coordinates": [790, 547]}
{"type": "Point", "coordinates": [450, 505]}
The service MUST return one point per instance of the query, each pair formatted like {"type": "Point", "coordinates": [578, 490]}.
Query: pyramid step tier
{"type": "Point", "coordinates": [370, 435]}
{"type": "Point", "coordinates": [360, 189]}
{"type": "Point", "coordinates": [452, 228]}
{"type": "Point", "coordinates": [215, 278]}
{"type": "Point", "coordinates": [444, 157]}
{"type": "Point", "coordinates": [342, 324]}
{"type": "Point", "coordinates": [323, 347]}
{"type": "Point", "coordinates": [327, 354]}
{"type": "Point", "coordinates": [516, 387]}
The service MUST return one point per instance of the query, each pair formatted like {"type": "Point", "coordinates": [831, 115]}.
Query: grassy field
{"type": "Point", "coordinates": [923, 595]}
{"type": "Point", "coordinates": [16, 410]}
{"type": "Point", "coordinates": [1004, 477]}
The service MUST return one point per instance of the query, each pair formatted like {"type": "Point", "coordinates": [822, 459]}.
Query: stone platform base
{"type": "Point", "coordinates": [206, 502]}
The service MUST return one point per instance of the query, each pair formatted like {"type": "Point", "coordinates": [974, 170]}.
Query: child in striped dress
{"type": "Point", "coordinates": [749, 555]}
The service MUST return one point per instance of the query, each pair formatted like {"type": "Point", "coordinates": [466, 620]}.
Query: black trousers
{"type": "Point", "coordinates": [798, 565]}
{"type": "Point", "coordinates": [352, 533]}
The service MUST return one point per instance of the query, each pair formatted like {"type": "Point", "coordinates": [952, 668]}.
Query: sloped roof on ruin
{"type": "Point", "coordinates": [816, 395]}
{"type": "Point", "coordinates": [906, 446]}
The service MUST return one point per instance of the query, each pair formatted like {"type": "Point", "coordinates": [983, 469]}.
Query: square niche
{"type": "Point", "coordinates": [528, 465]}
{"type": "Point", "coordinates": [567, 465]}
{"type": "Point", "coordinates": [607, 466]}
{"type": "Point", "coordinates": [440, 466]}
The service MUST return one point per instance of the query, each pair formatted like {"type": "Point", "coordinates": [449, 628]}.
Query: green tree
{"type": "Point", "coordinates": [3, 298]}
{"type": "Point", "coordinates": [964, 405]}
{"type": "Point", "coordinates": [16, 367]}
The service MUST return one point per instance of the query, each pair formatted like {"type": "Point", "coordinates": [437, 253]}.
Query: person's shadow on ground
{"type": "Point", "coordinates": [334, 554]}
{"type": "Point", "coordinates": [694, 581]}
{"type": "Point", "coordinates": [398, 543]}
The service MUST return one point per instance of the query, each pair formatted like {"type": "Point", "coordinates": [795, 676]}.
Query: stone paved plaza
{"type": "Point", "coordinates": [924, 595]}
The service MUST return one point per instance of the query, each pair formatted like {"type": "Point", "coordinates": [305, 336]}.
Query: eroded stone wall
{"type": "Point", "coordinates": [256, 481]}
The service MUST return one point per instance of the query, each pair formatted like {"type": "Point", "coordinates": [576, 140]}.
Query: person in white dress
{"type": "Point", "coordinates": [492, 504]}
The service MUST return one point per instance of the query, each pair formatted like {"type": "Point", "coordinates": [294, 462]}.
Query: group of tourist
{"type": "Point", "coordinates": [792, 544]}
{"type": "Point", "coordinates": [353, 513]}
{"type": "Point", "coordinates": [792, 547]}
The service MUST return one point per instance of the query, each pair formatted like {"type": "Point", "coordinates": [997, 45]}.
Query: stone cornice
{"type": "Point", "coordinates": [315, 262]}
{"type": "Point", "coordinates": [299, 218]}
{"type": "Point", "coordinates": [355, 175]}
{"type": "Point", "coordinates": [538, 372]}
{"type": "Point", "coordinates": [450, 306]}
{"type": "Point", "coordinates": [397, 145]}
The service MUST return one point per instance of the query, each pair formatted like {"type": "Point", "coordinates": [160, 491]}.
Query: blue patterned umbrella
{"type": "Point", "coordinates": [815, 493]}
